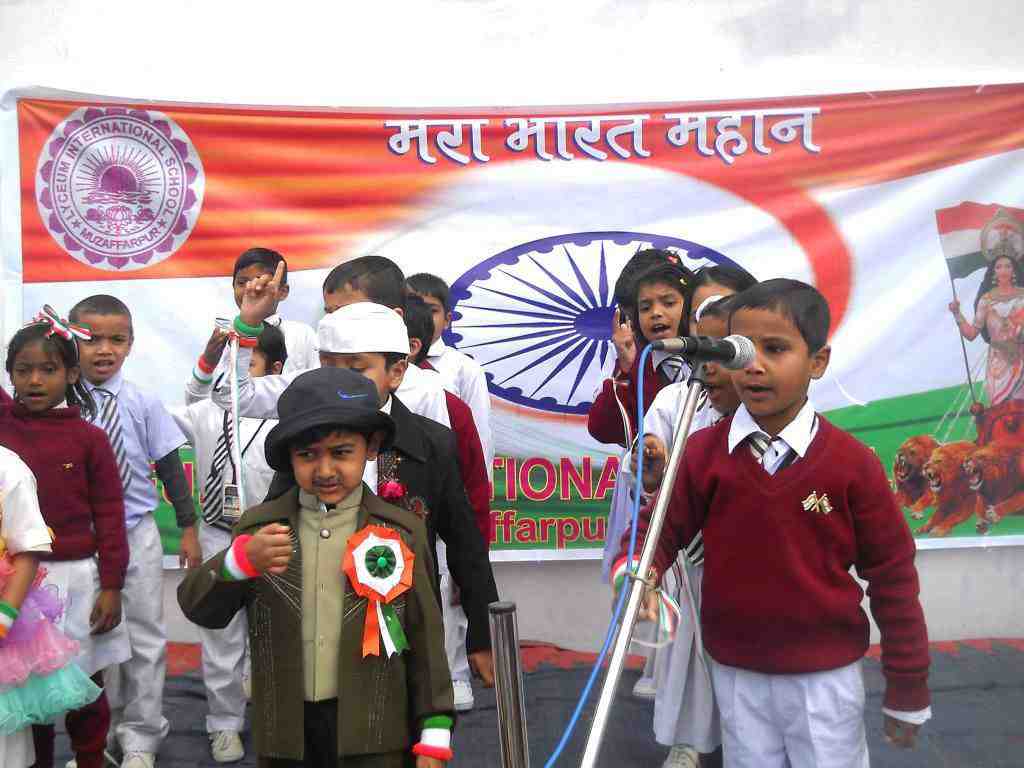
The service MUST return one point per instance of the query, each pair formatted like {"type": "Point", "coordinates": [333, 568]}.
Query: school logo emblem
{"type": "Point", "coordinates": [538, 317]}
{"type": "Point", "coordinates": [119, 189]}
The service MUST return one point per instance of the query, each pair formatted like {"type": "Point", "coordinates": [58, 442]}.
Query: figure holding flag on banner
{"type": "Point", "coordinates": [345, 629]}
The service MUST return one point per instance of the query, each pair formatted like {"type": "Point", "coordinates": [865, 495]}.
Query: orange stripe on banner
{"type": "Point", "coordinates": [971, 216]}
{"type": "Point", "coordinates": [324, 183]}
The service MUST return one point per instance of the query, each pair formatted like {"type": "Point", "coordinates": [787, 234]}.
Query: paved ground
{"type": "Point", "coordinates": [978, 703]}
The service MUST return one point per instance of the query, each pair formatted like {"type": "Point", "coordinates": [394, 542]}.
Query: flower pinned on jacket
{"type": "Point", "coordinates": [391, 490]}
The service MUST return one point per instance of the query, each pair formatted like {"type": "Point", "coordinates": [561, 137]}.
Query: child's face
{"type": "Point", "coordinates": [440, 317]}
{"type": "Point", "coordinates": [259, 365]}
{"type": "Point", "coordinates": [251, 272]}
{"type": "Point", "coordinates": [40, 378]}
{"type": "Point", "coordinates": [774, 386]}
{"type": "Point", "coordinates": [718, 380]}
{"type": "Point", "coordinates": [104, 354]}
{"type": "Point", "coordinates": [373, 366]}
{"type": "Point", "coordinates": [660, 309]}
{"type": "Point", "coordinates": [332, 468]}
{"type": "Point", "coordinates": [335, 300]}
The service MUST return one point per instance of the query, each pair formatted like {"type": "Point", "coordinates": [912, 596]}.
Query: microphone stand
{"type": "Point", "coordinates": [684, 420]}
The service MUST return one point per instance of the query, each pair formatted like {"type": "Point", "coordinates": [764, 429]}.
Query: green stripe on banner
{"type": "Point", "coordinates": [962, 266]}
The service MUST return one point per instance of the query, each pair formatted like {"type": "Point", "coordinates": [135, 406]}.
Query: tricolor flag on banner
{"type": "Point", "coordinates": [973, 235]}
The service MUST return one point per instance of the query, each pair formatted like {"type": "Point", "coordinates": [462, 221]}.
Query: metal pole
{"type": "Point", "coordinates": [611, 682]}
{"type": "Point", "coordinates": [508, 686]}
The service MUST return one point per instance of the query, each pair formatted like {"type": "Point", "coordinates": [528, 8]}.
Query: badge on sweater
{"type": "Point", "coordinates": [819, 504]}
{"type": "Point", "coordinates": [379, 565]}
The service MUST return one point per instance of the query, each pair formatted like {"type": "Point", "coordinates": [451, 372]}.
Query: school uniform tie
{"type": "Point", "coordinates": [213, 490]}
{"type": "Point", "coordinates": [673, 368]}
{"type": "Point", "coordinates": [110, 422]}
{"type": "Point", "coordinates": [772, 455]}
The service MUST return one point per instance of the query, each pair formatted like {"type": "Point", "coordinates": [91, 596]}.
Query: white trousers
{"type": "Point", "coordinates": [813, 720]}
{"type": "Point", "coordinates": [684, 706]}
{"type": "Point", "coordinates": [135, 689]}
{"type": "Point", "coordinates": [16, 750]}
{"type": "Point", "coordinates": [455, 622]}
{"type": "Point", "coordinates": [223, 653]}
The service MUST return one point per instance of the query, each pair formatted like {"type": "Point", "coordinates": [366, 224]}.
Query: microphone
{"type": "Point", "coordinates": [732, 352]}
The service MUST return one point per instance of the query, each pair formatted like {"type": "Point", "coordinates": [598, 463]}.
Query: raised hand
{"type": "Point", "coordinates": [623, 340]}
{"type": "Point", "coordinates": [261, 296]}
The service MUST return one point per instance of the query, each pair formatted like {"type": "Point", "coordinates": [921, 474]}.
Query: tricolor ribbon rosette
{"type": "Point", "coordinates": [63, 328]}
{"type": "Point", "coordinates": [379, 565]}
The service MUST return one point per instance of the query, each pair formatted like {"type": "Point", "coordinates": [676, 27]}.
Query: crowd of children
{"type": "Point", "coordinates": [365, 447]}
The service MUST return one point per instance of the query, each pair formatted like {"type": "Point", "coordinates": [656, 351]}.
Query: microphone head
{"type": "Point", "coordinates": [745, 352]}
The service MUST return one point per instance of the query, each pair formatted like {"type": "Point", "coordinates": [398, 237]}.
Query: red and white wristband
{"type": "Point", "coordinates": [8, 615]}
{"type": "Point", "coordinates": [203, 372]}
{"type": "Point", "coordinates": [435, 738]}
{"type": "Point", "coordinates": [236, 562]}
{"type": "Point", "coordinates": [619, 570]}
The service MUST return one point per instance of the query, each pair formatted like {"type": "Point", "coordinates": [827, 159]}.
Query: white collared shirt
{"type": "Point", "coordinates": [420, 391]}
{"type": "Point", "coordinates": [795, 436]}
{"type": "Point", "coordinates": [21, 524]}
{"type": "Point", "coordinates": [370, 472]}
{"type": "Point", "coordinates": [464, 377]}
{"type": "Point", "coordinates": [150, 433]}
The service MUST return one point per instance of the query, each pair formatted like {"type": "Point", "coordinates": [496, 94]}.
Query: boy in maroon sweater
{"type": "Point", "coordinates": [787, 503]}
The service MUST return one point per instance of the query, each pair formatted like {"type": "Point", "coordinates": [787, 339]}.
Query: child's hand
{"type": "Point", "coordinates": [190, 554]}
{"type": "Point", "coordinates": [655, 458]}
{"type": "Point", "coordinates": [261, 296]}
{"type": "Point", "coordinates": [624, 341]}
{"type": "Point", "coordinates": [649, 601]}
{"type": "Point", "coordinates": [270, 549]}
{"type": "Point", "coordinates": [215, 347]}
{"type": "Point", "coordinates": [482, 664]}
{"type": "Point", "coordinates": [106, 612]}
{"type": "Point", "coordinates": [428, 762]}
{"type": "Point", "coordinates": [900, 733]}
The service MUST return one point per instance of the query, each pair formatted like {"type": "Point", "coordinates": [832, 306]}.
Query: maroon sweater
{"type": "Point", "coordinates": [80, 492]}
{"type": "Point", "coordinates": [604, 419]}
{"type": "Point", "coordinates": [777, 593]}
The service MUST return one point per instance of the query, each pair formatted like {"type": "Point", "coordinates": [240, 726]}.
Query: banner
{"type": "Point", "coordinates": [906, 209]}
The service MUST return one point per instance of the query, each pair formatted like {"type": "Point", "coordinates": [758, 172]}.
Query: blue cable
{"type": "Point", "coordinates": [621, 601]}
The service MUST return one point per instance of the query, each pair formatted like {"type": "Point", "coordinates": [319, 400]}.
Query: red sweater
{"type": "Point", "coordinates": [80, 492]}
{"type": "Point", "coordinates": [475, 477]}
{"type": "Point", "coordinates": [605, 420]}
{"type": "Point", "coordinates": [777, 593]}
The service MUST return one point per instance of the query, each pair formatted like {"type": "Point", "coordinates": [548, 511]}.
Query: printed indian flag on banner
{"type": "Point", "coordinates": [974, 234]}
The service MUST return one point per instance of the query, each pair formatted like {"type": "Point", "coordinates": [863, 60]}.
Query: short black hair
{"type": "Point", "coordinates": [420, 323]}
{"type": "Point", "coordinates": [803, 304]}
{"type": "Point", "coordinates": [390, 358]}
{"type": "Point", "coordinates": [272, 344]}
{"type": "Point", "coordinates": [667, 273]}
{"type": "Point", "coordinates": [380, 279]}
{"type": "Point", "coordinates": [427, 284]}
{"type": "Point", "coordinates": [639, 262]}
{"type": "Point", "coordinates": [100, 304]}
{"type": "Point", "coordinates": [265, 257]}
{"type": "Point", "coordinates": [307, 437]}
{"type": "Point", "coordinates": [727, 275]}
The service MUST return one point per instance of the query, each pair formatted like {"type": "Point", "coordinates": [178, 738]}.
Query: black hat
{"type": "Point", "coordinates": [321, 397]}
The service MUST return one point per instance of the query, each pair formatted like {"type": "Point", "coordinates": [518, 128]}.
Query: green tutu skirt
{"type": "Point", "coordinates": [42, 698]}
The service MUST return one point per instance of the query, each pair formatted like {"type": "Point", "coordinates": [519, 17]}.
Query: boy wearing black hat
{"type": "Point", "coordinates": [345, 630]}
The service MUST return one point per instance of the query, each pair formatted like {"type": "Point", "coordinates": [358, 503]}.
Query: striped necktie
{"type": "Point", "coordinates": [672, 368]}
{"type": "Point", "coordinates": [761, 446]}
{"type": "Point", "coordinates": [213, 490]}
{"type": "Point", "coordinates": [110, 422]}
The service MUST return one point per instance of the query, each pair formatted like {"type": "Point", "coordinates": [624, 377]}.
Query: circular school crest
{"type": "Point", "coordinates": [119, 189]}
{"type": "Point", "coordinates": [538, 317]}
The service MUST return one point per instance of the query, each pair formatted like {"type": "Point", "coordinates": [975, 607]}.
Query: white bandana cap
{"type": "Point", "coordinates": [363, 327]}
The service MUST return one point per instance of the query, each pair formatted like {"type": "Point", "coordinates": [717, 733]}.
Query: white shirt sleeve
{"type": "Point", "coordinates": [162, 433]}
{"type": "Point", "coordinates": [473, 390]}
{"type": "Point", "coordinates": [422, 393]}
{"type": "Point", "coordinates": [920, 717]}
{"type": "Point", "coordinates": [659, 420]}
{"type": "Point", "coordinates": [300, 341]}
{"type": "Point", "coordinates": [22, 527]}
{"type": "Point", "coordinates": [257, 398]}
{"type": "Point", "coordinates": [184, 417]}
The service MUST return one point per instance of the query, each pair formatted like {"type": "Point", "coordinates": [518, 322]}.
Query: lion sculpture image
{"type": "Point", "coordinates": [912, 490]}
{"type": "Point", "coordinates": [994, 473]}
{"type": "Point", "coordinates": [954, 501]}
